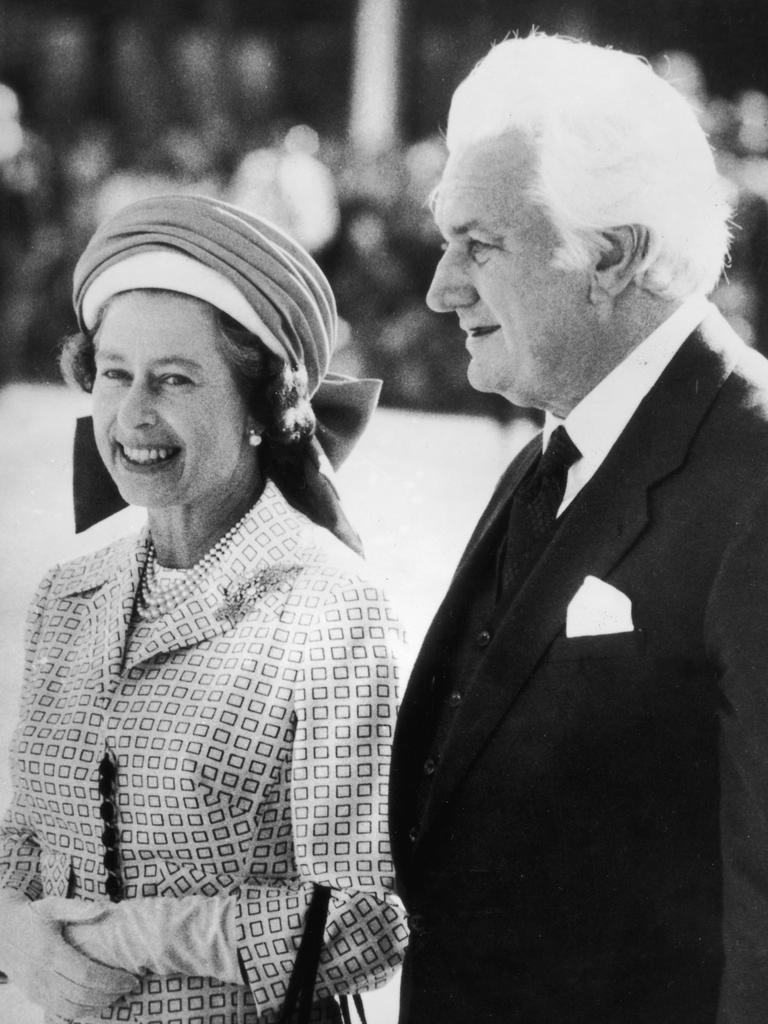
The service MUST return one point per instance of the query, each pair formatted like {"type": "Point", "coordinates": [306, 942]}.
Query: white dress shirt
{"type": "Point", "coordinates": [594, 425]}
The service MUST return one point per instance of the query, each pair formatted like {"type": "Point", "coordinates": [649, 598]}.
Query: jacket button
{"type": "Point", "coordinates": [416, 924]}
{"type": "Point", "coordinates": [455, 699]}
{"type": "Point", "coordinates": [429, 766]}
{"type": "Point", "coordinates": [483, 638]}
{"type": "Point", "coordinates": [413, 834]}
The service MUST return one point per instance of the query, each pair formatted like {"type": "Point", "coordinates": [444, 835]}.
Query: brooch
{"type": "Point", "coordinates": [241, 597]}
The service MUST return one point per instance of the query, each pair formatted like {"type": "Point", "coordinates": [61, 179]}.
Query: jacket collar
{"type": "Point", "coordinates": [262, 558]}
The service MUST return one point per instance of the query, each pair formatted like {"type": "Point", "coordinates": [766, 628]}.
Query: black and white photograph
{"type": "Point", "coordinates": [384, 520]}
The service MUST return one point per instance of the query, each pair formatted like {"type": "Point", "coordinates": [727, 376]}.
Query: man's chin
{"type": "Point", "coordinates": [477, 379]}
{"type": "Point", "coordinates": [481, 382]}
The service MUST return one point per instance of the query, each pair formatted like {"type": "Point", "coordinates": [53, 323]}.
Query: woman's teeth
{"type": "Point", "coordinates": [146, 456]}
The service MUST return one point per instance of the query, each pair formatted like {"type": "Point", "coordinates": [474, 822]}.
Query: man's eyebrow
{"type": "Point", "coordinates": [460, 230]}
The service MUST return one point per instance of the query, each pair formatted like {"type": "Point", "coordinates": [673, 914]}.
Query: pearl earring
{"type": "Point", "coordinates": [254, 437]}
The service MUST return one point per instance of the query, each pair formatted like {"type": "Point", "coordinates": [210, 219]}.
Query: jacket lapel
{"type": "Point", "coordinates": [415, 711]}
{"type": "Point", "coordinates": [109, 588]}
{"type": "Point", "coordinates": [603, 522]}
{"type": "Point", "coordinates": [486, 536]}
{"type": "Point", "coordinates": [493, 520]}
{"type": "Point", "coordinates": [107, 584]}
{"type": "Point", "coordinates": [192, 622]}
{"type": "Point", "coordinates": [256, 573]}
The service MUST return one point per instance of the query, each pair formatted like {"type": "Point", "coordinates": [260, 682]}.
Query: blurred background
{"type": "Point", "coordinates": [325, 116]}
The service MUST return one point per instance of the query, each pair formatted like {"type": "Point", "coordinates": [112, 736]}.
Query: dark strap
{"type": "Point", "coordinates": [301, 986]}
{"type": "Point", "coordinates": [357, 999]}
{"type": "Point", "coordinates": [344, 1003]}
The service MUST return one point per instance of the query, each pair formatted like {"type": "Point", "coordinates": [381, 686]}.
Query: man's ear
{"type": "Point", "coordinates": [618, 265]}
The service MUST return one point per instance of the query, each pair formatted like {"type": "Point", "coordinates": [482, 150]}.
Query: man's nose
{"type": "Point", "coordinates": [450, 288]}
{"type": "Point", "coordinates": [137, 407]}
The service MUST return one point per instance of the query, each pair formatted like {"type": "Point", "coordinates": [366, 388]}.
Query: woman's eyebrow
{"type": "Point", "coordinates": [164, 361]}
{"type": "Point", "coordinates": [190, 364]}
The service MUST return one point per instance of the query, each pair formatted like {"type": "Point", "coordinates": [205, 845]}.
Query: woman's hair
{"type": "Point", "coordinates": [277, 395]}
{"type": "Point", "coordinates": [615, 144]}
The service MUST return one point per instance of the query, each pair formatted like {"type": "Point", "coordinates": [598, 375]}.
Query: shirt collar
{"type": "Point", "coordinates": [594, 425]}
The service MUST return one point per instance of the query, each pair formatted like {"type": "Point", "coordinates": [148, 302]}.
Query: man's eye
{"type": "Point", "coordinates": [175, 380]}
{"type": "Point", "coordinates": [478, 251]}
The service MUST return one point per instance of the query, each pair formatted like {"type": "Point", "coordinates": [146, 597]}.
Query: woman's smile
{"type": "Point", "coordinates": [143, 457]}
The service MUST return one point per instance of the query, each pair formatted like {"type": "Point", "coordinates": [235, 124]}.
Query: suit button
{"type": "Point", "coordinates": [429, 766]}
{"type": "Point", "coordinates": [454, 700]}
{"type": "Point", "coordinates": [483, 638]}
{"type": "Point", "coordinates": [416, 924]}
{"type": "Point", "coordinates": [413, 834]}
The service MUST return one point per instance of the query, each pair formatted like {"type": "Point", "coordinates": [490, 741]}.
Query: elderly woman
{"type": "Point", "coordinates": [207, 711]}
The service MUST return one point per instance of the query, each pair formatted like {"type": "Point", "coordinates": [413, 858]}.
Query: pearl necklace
{"type": "Point", "coordinates": [163, 588]}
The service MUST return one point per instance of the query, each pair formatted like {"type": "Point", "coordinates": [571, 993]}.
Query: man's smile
{"type": "Point", "coordinates": [481, 330]}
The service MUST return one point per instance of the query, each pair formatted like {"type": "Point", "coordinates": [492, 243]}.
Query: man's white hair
{"type": "Point", "coordinates": [616, 145]}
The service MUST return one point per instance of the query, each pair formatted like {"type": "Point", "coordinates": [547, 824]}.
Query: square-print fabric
{"type": "Point", "coordinates": [252, 730]}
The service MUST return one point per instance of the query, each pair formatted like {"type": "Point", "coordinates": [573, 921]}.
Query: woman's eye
{"type": "Point", "coordinates": [111, 373]}
{"type": "Point", "coordinates": [175, 380]}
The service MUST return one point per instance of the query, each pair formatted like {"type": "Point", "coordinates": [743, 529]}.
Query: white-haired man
{"type": "Point", "coordinates": [579, 789]}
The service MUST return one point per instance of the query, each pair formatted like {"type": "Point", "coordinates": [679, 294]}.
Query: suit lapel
{"type": "Point", "coordinates": [486, 535]}
{"type": "Point", "coordinates": [604, 521]}
{"type": "Point", "coordinates": [416, 704]}
{"type": "Point", "coordinates": [493, 520]}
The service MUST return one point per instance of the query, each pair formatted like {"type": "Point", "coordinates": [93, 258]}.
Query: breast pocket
{"type": "Point", "coordinates": [605, 645]}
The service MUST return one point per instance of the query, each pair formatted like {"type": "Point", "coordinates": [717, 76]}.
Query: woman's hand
{"type": "Point", "coordinates": [191, 935]}
{"type": "Point", "coordinates": [49, 971]}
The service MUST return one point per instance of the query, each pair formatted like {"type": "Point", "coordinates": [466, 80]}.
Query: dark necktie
{"type": "Point", "coordinates": [533, 512]}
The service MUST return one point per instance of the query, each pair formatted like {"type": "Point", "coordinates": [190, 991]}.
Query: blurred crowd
{"type": "Point", "coordinates": [738, 131]}
{"type": "Point", "coordinates": [366, 218]}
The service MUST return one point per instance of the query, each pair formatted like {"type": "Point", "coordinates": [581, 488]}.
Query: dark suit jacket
{"type": "Point", "coordinates": [594, 846]}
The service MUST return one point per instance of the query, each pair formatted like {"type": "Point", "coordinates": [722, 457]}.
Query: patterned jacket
{"type": "Point", "coordinates": [252, 728]}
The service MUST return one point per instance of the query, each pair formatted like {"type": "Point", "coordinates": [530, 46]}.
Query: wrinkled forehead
{"type": "Point", "coordinates": [488, 180]}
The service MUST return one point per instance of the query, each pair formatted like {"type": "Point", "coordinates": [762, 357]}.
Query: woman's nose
{"type": "Point", "coordinates": [450, 287]}
{"type": "Point", "coordinates": [137, 407]}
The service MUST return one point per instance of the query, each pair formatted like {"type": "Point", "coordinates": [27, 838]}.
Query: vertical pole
{"type": "Point", "coordinates": [374, 124]}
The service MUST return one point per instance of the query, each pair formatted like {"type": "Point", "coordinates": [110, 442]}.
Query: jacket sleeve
{"type": "Point", "coordinates": [19, 849]}
{"type": "Point", "coordinates": [345, 704]}
{"type": "Point", "coordinates": [737, 636]}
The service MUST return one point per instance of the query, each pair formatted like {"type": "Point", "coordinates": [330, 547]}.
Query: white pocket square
{"type": "Point", "coordinates": [598, 608]}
